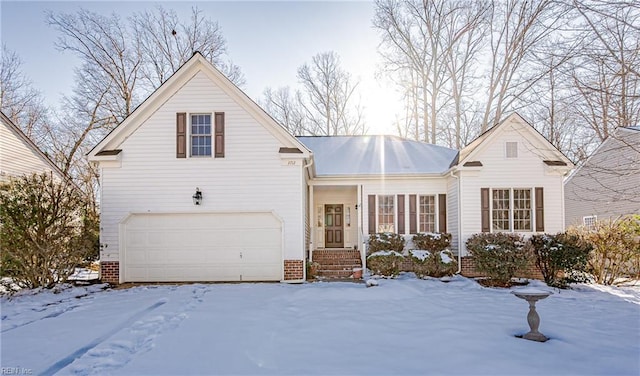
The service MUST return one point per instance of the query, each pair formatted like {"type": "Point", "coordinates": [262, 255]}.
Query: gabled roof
{"type": "Point", "coordinates": [197, 63]}
{"type": "Point", "coordinates": [553, 156]}
{"type": "Point", "coordinates": [377, 155]}
{"type": "Point", "coordinates": [31, 145]}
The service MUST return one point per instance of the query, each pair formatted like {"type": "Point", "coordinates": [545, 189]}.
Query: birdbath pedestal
{"type": "Point", "coordinates": [532, 296]}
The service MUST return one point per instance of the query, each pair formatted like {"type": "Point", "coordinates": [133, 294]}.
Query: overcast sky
{"type": "Point", "coordinates": [268, 40]}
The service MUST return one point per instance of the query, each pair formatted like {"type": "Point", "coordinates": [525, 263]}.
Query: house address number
{"type": "Point", "coordinates": [291, 162]}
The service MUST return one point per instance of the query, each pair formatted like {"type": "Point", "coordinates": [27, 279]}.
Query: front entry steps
{"type": "Point", "coordinates": [337, 264]}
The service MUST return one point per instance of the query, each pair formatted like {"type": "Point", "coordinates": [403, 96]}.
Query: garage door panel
{"type": "Point", "coordinates": [202, 247]}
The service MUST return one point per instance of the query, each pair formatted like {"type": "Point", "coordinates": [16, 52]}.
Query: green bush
{"type": "Point", "coordinates": [46, 230]}
{"type": "Point", "coordinates": [385, 263]}
{"type": "Point", "coordinates": [433, 264]}
{"type": "Point", "coordinates": [432, 242]}
{"type": "Point", "coordinates": [385, 241]}
{"type": "Point", "coordinates": [561, 258]}
{"type": "Point", "coordinates": [498, 255]}
{"type": "Point", "coordinates": [616, 249]}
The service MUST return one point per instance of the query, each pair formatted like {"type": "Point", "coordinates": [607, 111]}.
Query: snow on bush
{"type": "Point", "coordinates": [498, 255]}
{"type": "Point", "coordinates": [434, 242]}
{"type": "Point", "coordinates": [432, 258]}
{"type": "Point", "coordinates": [386, 263]}
{"type": "Point", "coordinates": [432, 264]}
{"type": "Point", "coordinates": [384, 241]}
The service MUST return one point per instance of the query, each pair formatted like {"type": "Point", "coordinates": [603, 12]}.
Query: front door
{"type": "Point", "coordinates": [333, 226]}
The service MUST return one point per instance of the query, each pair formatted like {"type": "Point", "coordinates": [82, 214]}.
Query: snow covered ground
{"type": "Point", "coordinates": [404, 326]}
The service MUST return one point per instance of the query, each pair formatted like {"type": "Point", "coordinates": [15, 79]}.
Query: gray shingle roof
{"type": "Point", "coordinates": [377, 155]}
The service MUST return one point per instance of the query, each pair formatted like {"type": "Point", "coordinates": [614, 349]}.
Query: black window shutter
{"type": "Point", "coordinates": [484, 209]}
{"type": "Point", "coordinates": [401, 214]}
{"type": "Point", "coordinates": [539, 209]}
{"type": "Point", "coordinates": [181, 135]}
{"type": "Point", "coordinates": [413, 215]}
{"type": "Point", "coordinates": [442, 213]}
{"type": "Point", "coordinates": [219, 135]}
{"type": "Point", "coordinates": [372, 214]}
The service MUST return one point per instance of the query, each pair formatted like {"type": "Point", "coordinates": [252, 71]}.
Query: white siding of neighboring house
{"type": "Point", "coordinates": [17, 156]}
{"type": "Point", "coordinates": [526, 171]}
{"type": "Point", "coordinates": [607, 185]}
{"type": "Point", "coordinates": [250, 178]}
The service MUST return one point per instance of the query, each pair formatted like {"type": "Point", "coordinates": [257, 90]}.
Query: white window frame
{"type": "Point", "coordinates": [589, 221]}
{"type": "Point", "coordinates": [511, 210]}
{"type": "Point", "coordinates": [420, 214]}
{"type": "Point", "coordinates": [386, 227]}
{"type": "Point", "coordinates": [204, 135]}
{"type": "Point", "coordinates": [525, 210]}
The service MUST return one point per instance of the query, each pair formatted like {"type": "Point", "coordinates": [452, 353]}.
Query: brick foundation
{"type": "Point", "coordinates": [468, 270]}
{"type": "Point", "coordinates": [110, 272]}
{"type": "Point", "coordinates": [293, 270]}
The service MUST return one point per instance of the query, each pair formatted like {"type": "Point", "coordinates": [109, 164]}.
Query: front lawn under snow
{"type": "Point", "coordinates": [403, 326]}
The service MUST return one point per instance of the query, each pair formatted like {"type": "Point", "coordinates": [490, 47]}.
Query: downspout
{"type": "Point", "coordinates": [459, 225]}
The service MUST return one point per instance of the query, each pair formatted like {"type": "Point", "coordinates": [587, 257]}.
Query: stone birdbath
{"type": "Point", "coordinates": [532, 296]}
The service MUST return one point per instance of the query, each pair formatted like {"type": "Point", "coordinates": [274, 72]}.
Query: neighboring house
{"type": "Point", "coordinates": [19, 155]}
{"type": "Point", "coordinates": [607, 184]}
{"type": "Point", "coordinates": [270, 200]}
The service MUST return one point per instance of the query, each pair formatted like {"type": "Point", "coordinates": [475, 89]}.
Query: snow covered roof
{"type": "Point", "coordinates": [377, 155]}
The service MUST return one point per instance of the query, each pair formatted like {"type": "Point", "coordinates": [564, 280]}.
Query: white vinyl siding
{"type": "Point", "coordinates": [17, 157]}
{"type": "Point", "coordinates": [251, 178]}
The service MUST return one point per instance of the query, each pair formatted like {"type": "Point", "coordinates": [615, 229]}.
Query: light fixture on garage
{"type": "Point", "coordinates": [197, 197]}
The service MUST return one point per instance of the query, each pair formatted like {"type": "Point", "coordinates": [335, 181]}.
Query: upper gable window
{"type": "Point", "coordinates": [512, 150]}
{"type": "Point", "coordinates": [197, 137]}
{"type": "Point", "coordinates": [201, 135]}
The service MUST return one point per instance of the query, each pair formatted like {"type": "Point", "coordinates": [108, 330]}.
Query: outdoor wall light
{"type": "Point", "coordinates": [197, 197]}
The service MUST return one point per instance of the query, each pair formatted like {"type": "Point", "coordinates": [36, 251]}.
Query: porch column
{"type": "Point", "coordinates": [363, 253]}
{"type": "Point", "coordinates": [312, 228]}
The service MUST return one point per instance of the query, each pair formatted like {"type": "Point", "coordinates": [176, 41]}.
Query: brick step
{"type": "Point", "coordinates": [339, 267]}
{"type": "Point", "coordinates": [349, 254]}
{"type": "Point", "coordinates": [338, 261]}
{"type": "Point", "coordinates": [335, 273]}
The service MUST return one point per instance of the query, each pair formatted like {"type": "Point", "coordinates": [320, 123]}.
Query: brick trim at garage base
{"type": "Point", "coordinates": [293, 270]}
{"type": "Point", "coordinates": [110, 272]}
{"type": "Point", "coordinates": [468, 270]}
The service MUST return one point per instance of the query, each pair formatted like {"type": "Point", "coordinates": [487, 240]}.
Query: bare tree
{"type": "Point", "coordinates": [284, 107]}
{"type": "Point", "coordinates": [327, 102]}
{"type": "Point", "coordinates": [166, 43]}
{"type": "Point", "coordinates": [328, 96]}
{"type": "Point", "coordinates": [19, 100]}
{"type": "Point", "coordinates": [105, 46]}
{"type": "Point", "coordinates": [431, 47]}
{"type": "Point", "coordinates": [410, 35]}
{"type": "Point", "coordinates": [605, 71]}
{"type": "Point", "coordinates": [517, 29]}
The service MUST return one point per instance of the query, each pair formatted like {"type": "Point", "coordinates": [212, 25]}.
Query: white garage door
{"type": "Point", "coordinates": [202, 247]}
